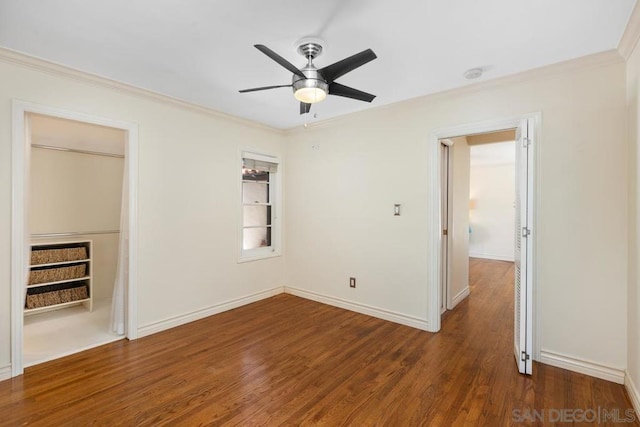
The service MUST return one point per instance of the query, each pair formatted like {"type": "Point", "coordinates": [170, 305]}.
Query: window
{"type": "Point", "coordinates": [260, 231]}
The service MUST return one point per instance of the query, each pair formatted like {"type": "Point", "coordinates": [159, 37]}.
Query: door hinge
{"type": "Point", "coordinates": [526, 142]}
{"type": "Point", "coordinates": [524, 356]}
{"type": "Point", "coordinates": [525, 232]}
{"type": "Point", "coordinates": [445, 232]}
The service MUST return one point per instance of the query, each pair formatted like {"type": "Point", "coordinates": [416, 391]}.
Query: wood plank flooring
{"type": "Point", "coordinates": [289, 361]}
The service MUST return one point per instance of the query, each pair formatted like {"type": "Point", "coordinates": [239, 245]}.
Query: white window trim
{"type": "Point", "coordinates": [275, 182]}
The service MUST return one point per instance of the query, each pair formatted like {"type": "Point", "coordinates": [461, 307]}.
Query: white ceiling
{"type": "Point", "coordinates": [202, 51]}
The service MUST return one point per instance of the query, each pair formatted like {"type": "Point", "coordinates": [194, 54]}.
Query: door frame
{"type": "Point", "coordinates": [446, 287]}
{"type": "Point", "coordinates": [434, 229]}
{"type": "Point", "coordinates": [19, 170]}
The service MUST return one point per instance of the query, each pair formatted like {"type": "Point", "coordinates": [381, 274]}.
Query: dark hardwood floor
{"type": "Point", "coordinates": [289, 361]}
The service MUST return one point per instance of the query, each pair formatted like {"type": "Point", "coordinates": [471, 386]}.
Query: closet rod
{"type": "Point", "coordinates": [73, 150]}
{"type": "Point", "coordinates": [74, 233]}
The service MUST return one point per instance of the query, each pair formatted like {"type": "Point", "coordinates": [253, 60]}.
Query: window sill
{"type": "Point", "coordinates": [257, 257]}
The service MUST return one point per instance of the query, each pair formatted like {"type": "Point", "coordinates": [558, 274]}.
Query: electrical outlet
{"type": "Point", "coordinates": [352, 282]}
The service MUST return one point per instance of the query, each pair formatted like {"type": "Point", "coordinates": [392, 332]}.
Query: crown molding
{"type": "Point", "coordinates": [53, 68]}
{"type": "Point", "coordinates": [631, 34]}
{"type": "Point", "coordinates": [600, 59]}
{"type": "Point", "coordinates": [60, 70]}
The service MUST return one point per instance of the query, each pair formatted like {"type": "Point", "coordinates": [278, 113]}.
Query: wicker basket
{"type": "Point", "coordinates": [56, 297]}
{"type": "Point", "coordinates": [48, 256]}
{"type": "Point", "coordinates": [57, 274]}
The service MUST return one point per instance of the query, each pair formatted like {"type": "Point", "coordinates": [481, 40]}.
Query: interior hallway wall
{"type": "Point", "coordinates": [492, 209]}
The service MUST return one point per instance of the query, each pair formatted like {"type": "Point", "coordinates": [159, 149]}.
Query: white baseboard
{"type": "Point", "coordinates": [458, 298]}
{"type": "Point", "coordinates": [391, 316]}
{"type": "Point", "coordinates": [490, 256]}
{"type": "Point", "coordinates": [633, 393]}
{"type": "Point", "coordinates": [206, 312]}
{"type": "Point", "coordinates": [583, 366]}
{"type": "Point", "coordinates": [5, 372]}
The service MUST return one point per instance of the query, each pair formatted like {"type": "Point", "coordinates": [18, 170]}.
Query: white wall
{"type": "Point", "coordinates": [340, 199]}
{"type": "Point", "coordinates": [492, 193]}
{"type": "Point", "coordinates": [189, 193]}
{"type": "Point", "coordinates": [459, 263]}
{"type": "Point", "coordinates": [633, 298]}
{"type": "Point", "coordinates": [57, 132]}
{"type": "Point", "coordinates": [79, 193]}
{"type": "Point", "coordinates": [74, 192]}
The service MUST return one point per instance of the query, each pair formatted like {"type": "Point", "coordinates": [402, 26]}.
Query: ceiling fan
{"type": "Point", "coordinates": [310, 84]}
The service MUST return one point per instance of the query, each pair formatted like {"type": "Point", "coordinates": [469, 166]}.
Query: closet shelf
{"type": "Point", "coordinates": [57, 306]}
{"type": "Point", "coordinates": [77, 279]}
{"type": "Point", "coordinates": [51, 264]}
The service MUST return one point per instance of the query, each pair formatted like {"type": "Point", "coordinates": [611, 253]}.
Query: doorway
{"type": "Point", "coordinates": [441, 228]}
{"type": "Point", "coordinates": [22, 238]}
{"type": "Point", "coordinates": [478, 193]}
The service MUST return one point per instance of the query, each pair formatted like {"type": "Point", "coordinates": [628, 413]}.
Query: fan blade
{"type": "Point", "coordinates": [340, 68]}
{"type": "Point", "coordinates": [280, 60]}
{"type": "Point", "coordinates": [349, 92]}
{"type": "Point", "coordinates": [304, 108]}
{"type": "Point", "coordinates": [262, 88]}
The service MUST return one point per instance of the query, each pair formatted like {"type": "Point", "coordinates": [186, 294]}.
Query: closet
{"type": "Point", "coordinates": [74, 207]}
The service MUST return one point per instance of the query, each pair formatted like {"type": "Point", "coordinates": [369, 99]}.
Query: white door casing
{"type": "Point", "coordinates": [434, 260]}
{"type": "Point", "coordinates": [444, 212]}
{"type": "Point", "coordinates": [19, 247]}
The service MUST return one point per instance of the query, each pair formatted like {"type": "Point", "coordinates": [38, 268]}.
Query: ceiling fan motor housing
{"type": "Point", "coordinates": [313, 81]}
{"type": "Point", "coordinates": [314, 88]}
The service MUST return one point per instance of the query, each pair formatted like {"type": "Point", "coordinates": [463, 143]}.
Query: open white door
{"type": "Point", "coordinates": [523, 322]}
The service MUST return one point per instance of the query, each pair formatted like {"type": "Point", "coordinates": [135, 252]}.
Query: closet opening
{"type": "Point", "coordinates": [72, 239]}
{"type": "Point", "coordinates": [76, 173]}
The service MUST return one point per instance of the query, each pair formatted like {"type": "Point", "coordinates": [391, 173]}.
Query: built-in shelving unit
{"type": "Point", "coordinates": [60, 276]}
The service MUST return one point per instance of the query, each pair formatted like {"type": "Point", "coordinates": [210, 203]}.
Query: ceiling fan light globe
{"type": "Point", "coordinates": [310, 95]}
